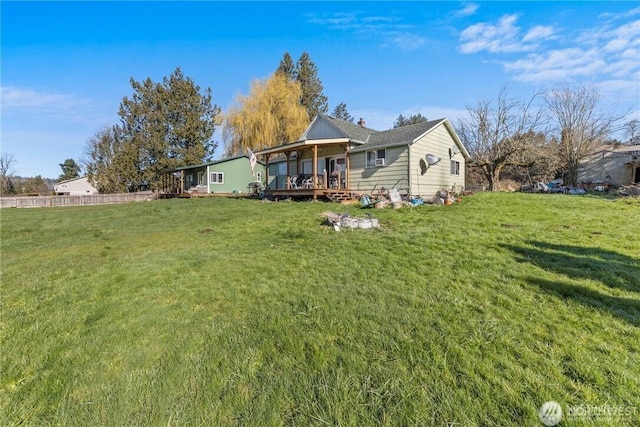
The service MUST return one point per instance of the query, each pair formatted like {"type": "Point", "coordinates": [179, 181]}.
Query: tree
{"type": "Point", "coordinates": [287, 67]}
{"type": "Point", "coordinates": [312, 98]}
{"type": "Point", "coordinates": [411, 120]}
{"type": "Point", "coordinates": [168, 124]}
{"type": "Point", "coordinates": [36, 185]}
{"type": "Point", "coordinates": [496, 135]}
{"type": "Point", "coordinates": [111, 163]}
{"type": "Point", "coordinates": [70, 170]}
{"type": "Point", "coordinates": [341, 112]}
{"type": "Point", "coordinates": [7, 165]}
{"type": "Point", "coordinates": [305, 72]}
{"type": "Point", "coordinates": [632, 128]}
{"type": "Point", "coordinates": [579, 126]}
{"type": "Point", "coordinates": [269, 116]}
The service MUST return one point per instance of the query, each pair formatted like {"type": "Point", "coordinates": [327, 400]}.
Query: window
{"type": "Point", "coordinates": [189, 180]}
{"type": "Point", "coordinates": [455, 167]}
{"type": "Point", "coordinates": [258, 176]}
{"type": "Point", "coordinates": [307, 167]}
{"type": "Point", "coordinates": [376, 158]}
{"type": "Point", "coordinates": [217, 178]}
{"type": "Point", "coordinates": [200, 178]}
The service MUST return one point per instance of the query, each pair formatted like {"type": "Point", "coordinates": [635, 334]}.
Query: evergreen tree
{"type": "Point", "coordinates": [411, 120]}
{"type": "Point", "coordinates": [340, 112]}
{"type": "Point", "coordinates": [287, 67]}
{"type": "Point", "coordinates": [70, 170]}
{"type": "Point", "coordinates": [312, 98]}
{"type": "Point", "coordinates": [167, 125]}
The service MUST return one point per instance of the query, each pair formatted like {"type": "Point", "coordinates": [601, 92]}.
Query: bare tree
{"type": "Point", "coordinates": [496, 135]}
{"type": "Point", "coordinates": [7, 163]}
{"type": "Point", "coordinates": [632, 128]}
{"type": "Point", "coordinates": [579, 125]}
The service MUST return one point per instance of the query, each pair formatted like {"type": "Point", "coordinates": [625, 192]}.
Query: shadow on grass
{"type": "Point", "coordinates": [626, 308]}
{"type": "Point", "coordinates": [610, 268]}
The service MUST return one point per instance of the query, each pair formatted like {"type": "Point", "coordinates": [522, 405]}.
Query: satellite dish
{"type": "Point", "coordinates": [453, 150]}
{"type": "Point", "coordinates": [432, 160]}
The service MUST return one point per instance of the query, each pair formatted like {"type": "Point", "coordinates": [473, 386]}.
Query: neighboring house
{"type": "Point", "coordinates": [612, 164]}
{"type": "Point", "coordinates": [230, 175]}
{"type": "Point", "coordinates": [75, 187]}
{"type": "Point", "coordinates": [417, 159]}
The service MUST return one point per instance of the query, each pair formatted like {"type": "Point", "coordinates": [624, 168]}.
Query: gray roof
{"type": "Point", "coordinates": [398, 136]}
{"type": "Point", "coordinates": [350, 130]}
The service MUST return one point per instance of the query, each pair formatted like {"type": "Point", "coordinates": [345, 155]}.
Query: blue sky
{"type": "Point", "coordinates": [66, 66]}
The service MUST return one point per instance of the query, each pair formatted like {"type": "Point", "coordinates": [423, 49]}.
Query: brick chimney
{"type": "Point", "coordinates": [361, 122]}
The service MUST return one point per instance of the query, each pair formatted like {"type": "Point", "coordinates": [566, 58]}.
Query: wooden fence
{"type": "Point", "coordinates": [53, 201]}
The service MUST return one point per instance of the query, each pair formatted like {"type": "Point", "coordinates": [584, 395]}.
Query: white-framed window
{"type": "Point", "coordinates": [455, 167]}
{"type": "Point", "coordinates": [376, 158]}
{"type": "Point", "coordinates": [201, 178]}
{"type": "Point", "coordinates": [217, 178]}
{"type": "Point", "coordinates": [258, 176]}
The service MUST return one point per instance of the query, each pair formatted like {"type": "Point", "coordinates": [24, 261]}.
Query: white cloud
{"type": "Point", "coordinates": [494, 38]}
{"type": "Point", "coordinates": [607, 55]}
{"type": "Point", "coordinates": [388, 29]}
{"type": "Point", "coordinates": [539, 32]}
{"type": "Point", "coordinates": [24, 100]}
{"type": "Point", "coordinates": [468, 9]}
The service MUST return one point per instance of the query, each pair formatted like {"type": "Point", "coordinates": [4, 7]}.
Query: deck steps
{"type": "Point", "coordinates": [342, 196]}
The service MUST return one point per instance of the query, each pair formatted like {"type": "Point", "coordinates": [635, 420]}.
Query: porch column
{"type": "Point", "coordinates": [314, 167]}
{"type": "Point", "coordinates": [288, 154]}
{"type": "Point", "coordinates": [266, 161]}
{"type": "Point", "coordinates": [347, 167]}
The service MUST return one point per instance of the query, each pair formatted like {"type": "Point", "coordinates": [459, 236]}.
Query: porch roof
{"type": "Point", "coordinates": [295, 146]}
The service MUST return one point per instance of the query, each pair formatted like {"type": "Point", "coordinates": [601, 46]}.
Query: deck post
{"type": "Point", "coordinates": [288, 154]}
{"type": "Point", "coordinates": [314, 170]}
{"type": "Point", "coordinates": [347, 167]}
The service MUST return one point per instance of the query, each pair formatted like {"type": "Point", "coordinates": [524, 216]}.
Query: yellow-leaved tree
{"type": "Point", "coordinates": [269, 116]}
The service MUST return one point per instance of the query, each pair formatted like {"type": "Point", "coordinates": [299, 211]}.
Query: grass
{"type": "Point", "coordinates": [231, 312]}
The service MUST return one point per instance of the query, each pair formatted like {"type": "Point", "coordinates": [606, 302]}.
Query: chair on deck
{"type": "Point", "coordinates": [308, 183]}
{"type": "Point", "coordinates": [293, 182]}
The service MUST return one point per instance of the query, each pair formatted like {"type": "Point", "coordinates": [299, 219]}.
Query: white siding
{"type": "Point", "coordinates": [438, 176]}
{"type": "Point", "coordinates": [393, 175]}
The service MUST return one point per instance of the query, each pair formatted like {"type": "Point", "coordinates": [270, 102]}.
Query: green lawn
{"type": "Point", "coordinates": [233, 312]}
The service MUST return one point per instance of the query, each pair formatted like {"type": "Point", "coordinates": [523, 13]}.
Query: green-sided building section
{"type": "Point", "coordinates": [232, 175]}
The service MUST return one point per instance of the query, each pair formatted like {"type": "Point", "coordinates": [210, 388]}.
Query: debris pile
{"type": "Point", "coordinates": [629, 190]}
{"type": "Point", "coordinates": [345, 220]}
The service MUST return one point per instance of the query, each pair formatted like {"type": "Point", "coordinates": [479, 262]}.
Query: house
{"type": "Point", "coordinates": [75, 187]}
{"type": "Point", "coordinates": [334, 157]}
{"type": "Point", "coordinates": [617, 164]}
{"type": "Point", "coordinates": [225, 176]}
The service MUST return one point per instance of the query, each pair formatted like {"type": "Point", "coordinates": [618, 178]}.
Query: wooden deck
{"type": "Point", "coordinates": [334, 195]}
